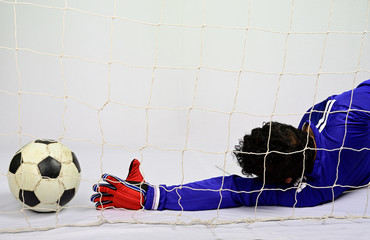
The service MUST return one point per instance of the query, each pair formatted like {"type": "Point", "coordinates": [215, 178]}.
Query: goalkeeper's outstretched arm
{"type": "Point", "coordinates": [220, 192]}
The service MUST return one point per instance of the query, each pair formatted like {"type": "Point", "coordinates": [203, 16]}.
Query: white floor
{"type": "Point", "coordinates": [79, 220]}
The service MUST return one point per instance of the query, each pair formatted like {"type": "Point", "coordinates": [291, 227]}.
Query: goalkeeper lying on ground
{"type": "Point", "coordinates": [305, 166]}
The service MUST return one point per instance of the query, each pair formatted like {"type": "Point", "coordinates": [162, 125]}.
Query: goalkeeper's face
{"type": "Point", "coordinates": [275, 153]}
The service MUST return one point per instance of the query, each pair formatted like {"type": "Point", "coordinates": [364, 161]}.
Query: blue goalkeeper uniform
{"type": "Point", "coordinates": [341, 127]}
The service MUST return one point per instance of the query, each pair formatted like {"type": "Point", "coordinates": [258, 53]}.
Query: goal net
{"type": "Point", "coordinates": [174, 84]}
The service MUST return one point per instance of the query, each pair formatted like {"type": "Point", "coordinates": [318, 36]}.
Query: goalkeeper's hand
{"type": "Point", "coordinates": [118, 193]}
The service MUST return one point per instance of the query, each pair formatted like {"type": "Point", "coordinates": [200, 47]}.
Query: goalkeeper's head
{"type": "Point", "coordinates": [276, 153]}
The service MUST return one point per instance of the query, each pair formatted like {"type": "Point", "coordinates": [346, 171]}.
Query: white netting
{"type": "Point", "coordinates": [175, 84]}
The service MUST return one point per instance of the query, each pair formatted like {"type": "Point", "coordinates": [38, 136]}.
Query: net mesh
{"type": "Point", "coordinates": [173, 83]}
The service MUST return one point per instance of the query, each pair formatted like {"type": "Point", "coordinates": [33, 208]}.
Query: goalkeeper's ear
{"type": "Point", "coordinates": [288, 180]}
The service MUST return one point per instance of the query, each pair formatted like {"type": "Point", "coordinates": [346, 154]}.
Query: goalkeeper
{"type": "Point", "coordinates": [315, 163]}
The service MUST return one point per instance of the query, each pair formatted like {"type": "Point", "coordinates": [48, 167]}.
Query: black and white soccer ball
{"type": "Point", "coordinates": [44, 175]}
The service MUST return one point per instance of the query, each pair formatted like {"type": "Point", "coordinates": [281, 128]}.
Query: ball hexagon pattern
{"type": "Point", "coordinates": [44, 175]}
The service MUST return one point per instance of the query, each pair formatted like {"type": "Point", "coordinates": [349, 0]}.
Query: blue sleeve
{"type": "Point", "coordinates": [360, 101]}
{"type": "Point", "coordinates": [234, 191]}
{"type": "Point", "coordinates": [317, 112]}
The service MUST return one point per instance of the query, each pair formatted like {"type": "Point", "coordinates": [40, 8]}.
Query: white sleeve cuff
{"type": "Point", "coordinates": [156, 198]}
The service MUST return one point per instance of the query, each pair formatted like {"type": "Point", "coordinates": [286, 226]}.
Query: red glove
{"type": "Point", "coordinates": [117, 193]}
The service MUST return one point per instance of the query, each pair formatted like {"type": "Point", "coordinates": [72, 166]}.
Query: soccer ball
{"type": "Point", "coordinates": [44, 175]}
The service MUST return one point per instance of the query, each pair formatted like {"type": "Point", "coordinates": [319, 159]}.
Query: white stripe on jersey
{"type": "Point", "coordinates": [156, 198]}
{"type": "Point", "coordinates": [322, 122]}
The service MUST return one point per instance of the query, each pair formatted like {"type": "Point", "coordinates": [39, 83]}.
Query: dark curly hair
{"type": "Point", "coordinates": [284, 149]}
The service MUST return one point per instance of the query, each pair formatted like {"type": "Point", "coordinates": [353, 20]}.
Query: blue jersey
{"type": "Point", "coordinates": [341, 126]}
